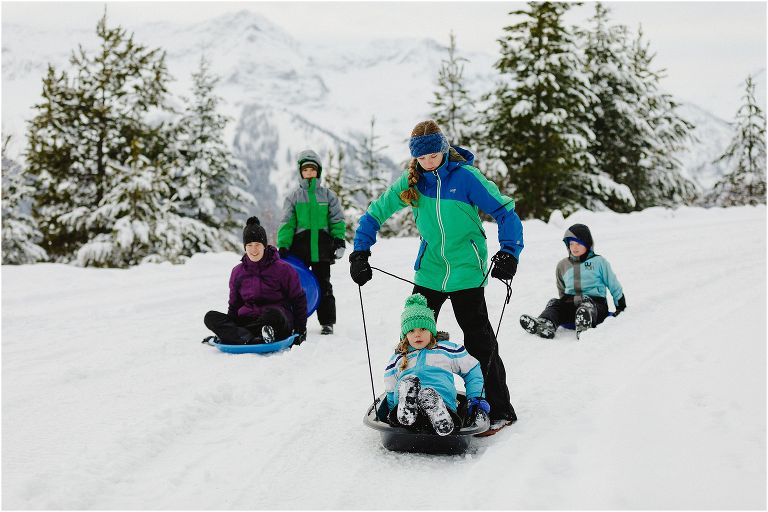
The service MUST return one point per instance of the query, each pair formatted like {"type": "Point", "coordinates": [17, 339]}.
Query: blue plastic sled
{"type": "Point", "coordinates": [572, 325]}
{"type": "Point", "coordinates": [308, 282]}
{"type": "Point", "coordinates": [258, 348]}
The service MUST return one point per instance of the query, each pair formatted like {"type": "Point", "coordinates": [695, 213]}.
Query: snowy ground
{"type": "Point", "coordinates": [109, 401]}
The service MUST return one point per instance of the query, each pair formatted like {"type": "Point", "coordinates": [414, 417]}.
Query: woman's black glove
{"type": "Point", "coordinates": [621, 306]}
{"type": "Point", "coordinates": [359, 269]}
{"type": "Point", "coordinates": [504, 266]}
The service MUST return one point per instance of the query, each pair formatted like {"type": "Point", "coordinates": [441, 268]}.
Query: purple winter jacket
{"type": "Point", "coordinates": [269, 282]}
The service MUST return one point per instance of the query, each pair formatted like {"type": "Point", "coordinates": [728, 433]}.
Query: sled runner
{"type": "Point", "coordinates": [308, 282]}
{"type": "Point", "coordinates": [256, 348]}
{"type": "Point", "coordinates": [400, 439]}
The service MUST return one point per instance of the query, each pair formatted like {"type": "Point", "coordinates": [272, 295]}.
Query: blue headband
{"type": "Point", "coordinates": [428, 144]}
{"type": "Point", "coordinates": [574, 239]}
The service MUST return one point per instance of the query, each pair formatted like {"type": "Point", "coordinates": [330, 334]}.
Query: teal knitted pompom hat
{"type": "Point", "coordinates": [417, 314]}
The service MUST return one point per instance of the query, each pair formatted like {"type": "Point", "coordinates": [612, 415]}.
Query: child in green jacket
{"type": "Point", "coordinates": [312, 228]}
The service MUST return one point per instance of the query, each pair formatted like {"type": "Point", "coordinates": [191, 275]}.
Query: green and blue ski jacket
{"type": "Point", "coordinates": [453, 254]}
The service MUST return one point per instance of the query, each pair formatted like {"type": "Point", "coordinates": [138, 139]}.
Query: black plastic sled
{"type": "Point", "coordinates": [399, 439]}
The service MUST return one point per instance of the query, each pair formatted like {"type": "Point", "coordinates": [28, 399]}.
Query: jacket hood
{"type": "Point", "coordinates": [466, 154]}
{"type": "Point", "coordinates": [581, 234]}
{"type": "Point", "coordinates": [309, 156]}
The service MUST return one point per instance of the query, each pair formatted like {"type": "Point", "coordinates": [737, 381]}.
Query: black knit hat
{"type": "Point", "coordinates": [253, 232]}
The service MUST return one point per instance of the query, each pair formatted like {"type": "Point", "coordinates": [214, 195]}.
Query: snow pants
{"type": "Point", "coordinates": [244, 330]}
{"type": "Point", "coordinates": [563, 310]}
{"type": "Point", "coordinates": [326, 310]}
{"type": "Point", "coordinates": [471, 313]}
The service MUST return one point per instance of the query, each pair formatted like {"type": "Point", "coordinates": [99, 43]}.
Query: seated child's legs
{"type": "Point", "coordinates": [559, 311]}
{"type": "Point", "coordinates": [274, 317]}
{"type": "Point", "coordinates": [229, 331]}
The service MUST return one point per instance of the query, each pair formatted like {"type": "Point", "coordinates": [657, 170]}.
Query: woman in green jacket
{"type": "Point", "coordinates": [445, 193]}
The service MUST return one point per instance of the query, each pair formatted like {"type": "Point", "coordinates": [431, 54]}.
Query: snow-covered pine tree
{"type": "Point", "coordinates": [745, 183]}
{"type": "Point", "coordinates": [452, 107]}
{"type": "Point", "coordinates": [335, 178]}
{"type": "Point", "coordinates": [84, 132]}
{"type": "Point", "coordinates": [658, 181]}
{"type": "Point", "coordinates": [540, 117]}
{"type": "Point", "coordinates": [20, 235]}
{"type": "Point", "coordinates": [369, 182]}
{"type": "Point", "coordinates": [620, 134]}
{"type": "Point", "coordinates": [210, 181]}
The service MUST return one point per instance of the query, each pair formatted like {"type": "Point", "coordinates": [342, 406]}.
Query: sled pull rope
{"type": "Point", "coordinates": [368, 352]}
{"type": "Point", "coordinates": [393, 275]}
{"type": "Point", "coordinates": [508, 284]}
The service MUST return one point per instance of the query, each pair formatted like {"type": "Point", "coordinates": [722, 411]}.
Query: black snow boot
{"type": "Point", "coordinates": [540, 326]}
{"type": "Point", "coordinates": [585, 314]}
{"type": "Point", "coordinates": [433, 406]}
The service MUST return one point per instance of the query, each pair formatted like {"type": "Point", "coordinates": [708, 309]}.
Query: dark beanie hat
{"type": "Point", "coordinates": [254, 232]}
{"type": "Point", "coordinates": [579, 233]}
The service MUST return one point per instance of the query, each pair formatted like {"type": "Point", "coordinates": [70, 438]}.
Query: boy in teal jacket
{"type": "Point", "coordinates": [582, 280]}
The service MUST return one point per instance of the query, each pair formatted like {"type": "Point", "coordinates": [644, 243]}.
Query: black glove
{"type": "Point", "coordinates": [338, 248]}
{"type": "Point", "coordinates": [302, 336]}
{"type": "Point", "coordinates": [283, 252]}
{"type": "Point", "coordinates": [359, 269]}
{"type": "Point", "coordinates": [504, 267]}
{"type": "Point", "coordinates": [621, 306]}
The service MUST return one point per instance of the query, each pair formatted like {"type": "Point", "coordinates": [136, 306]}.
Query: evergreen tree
{"type": "Point", "coordinates": [658, 180]}
{"type": "Point", "coordinates": [20, 235]}
{"type": "Point", "coordinates": [745, 183]}
{"type": "Point", "coordinates": [369, 183]}
{"type": "Point", "coordinates": [85, 132]}
{"type": "Point", "coordinates": [335, 178]}
{"type": "Point", "coordinates": [620, 135]}
{"type": "Point", "coordinates": [452, 107]}
{"type": "Point", "coordinates": [540, 119]}
{"type": "Point", "coordinates": [210, 179]}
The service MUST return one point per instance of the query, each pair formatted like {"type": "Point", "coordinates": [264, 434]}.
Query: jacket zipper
{"type": "Point", "coordinates": [477, 253]}
{"type": "Point", "coordinates": [442, 233]}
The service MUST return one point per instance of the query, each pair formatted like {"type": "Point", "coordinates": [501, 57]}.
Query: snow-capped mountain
{"type": "Point", "coordinates": [285, 95]}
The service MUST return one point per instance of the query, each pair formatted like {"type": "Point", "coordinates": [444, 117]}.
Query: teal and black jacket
{"type": "Point", "coordinates": [589, 275]}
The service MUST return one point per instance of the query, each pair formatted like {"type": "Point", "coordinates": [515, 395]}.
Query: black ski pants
{"type": "Point", "coordinates": [563, 310]}
{"type": "Point", "coordinates": [244, 330]}
{"type": "Point", "coordinates": [471, 313]}
{"type": "Point", "coordinates": [326, 310]}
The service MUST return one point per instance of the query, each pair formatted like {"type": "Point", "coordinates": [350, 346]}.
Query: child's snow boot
{"type": "Point", "coordinates": [267, 334]}
{"type": "Point", "coordinates": [528, 323]}
{"type": "Point", "coordinates": [433, 406]}
{"type": "Point", "coordinates": [540, 326]}
{"type": "Point", "coordinates": [407, 406]}
{"type": "Point", "coordinates": [584, 315]}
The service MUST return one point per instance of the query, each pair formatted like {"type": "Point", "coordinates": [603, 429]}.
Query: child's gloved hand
{"type": "Point", "coordinates": [338, 248]}
{"type": "Point", "coordinates": [621, 305]}
{"type": "Point", "coordinates": [504, 267]}
{"type": "Point", "coordinates": [478, 404]}
{"type": "Point", "coordinates": [359, 269]}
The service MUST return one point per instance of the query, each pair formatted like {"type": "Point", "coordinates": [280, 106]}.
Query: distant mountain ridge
{"type": "Point", "coordinates": [284, 95]}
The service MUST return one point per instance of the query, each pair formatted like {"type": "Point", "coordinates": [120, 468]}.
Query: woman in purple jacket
{"type": "Point", "coordinates": [266, 300]}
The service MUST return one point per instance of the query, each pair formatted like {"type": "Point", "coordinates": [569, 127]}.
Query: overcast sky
{"type": "Point", "coordinates": [707, 48]}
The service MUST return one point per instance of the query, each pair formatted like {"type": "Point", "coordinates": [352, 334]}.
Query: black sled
{"type": "Point", "coordinates": [399, 439]}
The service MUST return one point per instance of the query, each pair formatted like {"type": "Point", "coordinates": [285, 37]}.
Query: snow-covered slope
{"type": "Point", "coordinates": [109, 401]}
